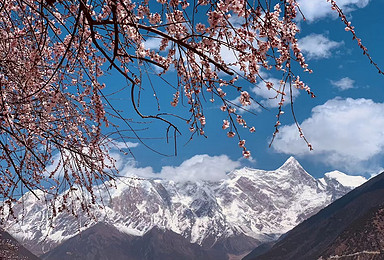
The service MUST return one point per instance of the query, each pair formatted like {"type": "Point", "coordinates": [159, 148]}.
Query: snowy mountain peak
{"type": "Point", "coordinates": [344, 179]}
{"type": "Point", "coordinates": [291, 164]}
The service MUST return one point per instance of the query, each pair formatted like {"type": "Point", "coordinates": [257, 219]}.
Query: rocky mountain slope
{"type": "Point", "coordinates": [234, 215]}
{"type": "Point", "coordinates": [11, 249]}
{"type": "Point", "coordinates": [363, 239]}
{"type": "Point", "coordinates": [350, 228]}
{"type": "Point", "coordinates": [105, 242]}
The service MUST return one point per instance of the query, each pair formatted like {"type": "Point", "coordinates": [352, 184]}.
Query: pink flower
{"type": "Point", "coordinates": [225, 124]}
{"type": "Point", "coordinates": [240, 120]}
{"type": "Point", "coordinates": [184, 4]}
{"type": "Point", "coordinates": [269, 85]}
{"type": "Point", "coordinates": [246, 154]}
{"type": "Point", "coordinates": [231, 134]}
{"type": "Point", "coordinates": [202, 120]}
{"type": "Point", "coordinates": [155, 18]}
{"type": "Point", "coordinates": [245, 98]}
{"type": "Point", "coordinates": [221, 92]}
{"type": "Point", "coordinates": [175, 99]}
{"type": "Point", "coordinates": [200, 28]}
{"type": "Point", "coordinates": [232, 110]}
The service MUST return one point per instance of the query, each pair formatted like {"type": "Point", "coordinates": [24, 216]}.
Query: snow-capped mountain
{"type": "Point", "coordinates": [351, 227]}
{"type": "Point", "coordinates": [236, 214]}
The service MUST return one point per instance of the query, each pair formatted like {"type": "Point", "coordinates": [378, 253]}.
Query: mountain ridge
{"type": "Point", "coordinates": [105, 242]}
{"type": "Point", "coordinates": [236, 214]}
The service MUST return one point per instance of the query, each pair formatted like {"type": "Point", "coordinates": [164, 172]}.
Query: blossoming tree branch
{"type": "Point", "coordinates": [53, 55]}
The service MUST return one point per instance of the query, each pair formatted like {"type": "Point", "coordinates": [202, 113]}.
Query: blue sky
{"type": "Point", "coordinates": [345, 122]}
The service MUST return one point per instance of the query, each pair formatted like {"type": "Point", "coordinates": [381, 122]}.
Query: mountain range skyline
{"type": "Point", "coordinates": [236, 214]}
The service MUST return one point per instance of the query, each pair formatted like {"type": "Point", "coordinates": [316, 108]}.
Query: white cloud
{"type": "Point", "coordinates": [269, 95]}
{"type": "Point", "coordinates": [116, 158]}
{"type": "Point", "coordinates": [198, 168]}
{"type": "Point", "coordinates": [122, 145]}
{"type": "Point", "coordinates": [236, 21]}
{"type": "Point", "coordinates": [317, 9]}
{"type": "Point", "coordinates": [345, 133]}
{"type": "Point", "coordinates": [268, 98]}
{"type": "Point", "coordinates": [152, 43]}
{"type": "Point", "coordinates": [344, 83]}
{"type": "Point", "coordinates": [229, 56]}
{"type": "Point", "coordinates": [317, 46]}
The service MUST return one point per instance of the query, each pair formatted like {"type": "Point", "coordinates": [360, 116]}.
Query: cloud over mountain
{"type": "Point", "coordinates": [345, 133]}
{"type": "Point", "coordinates": [192, 169]}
